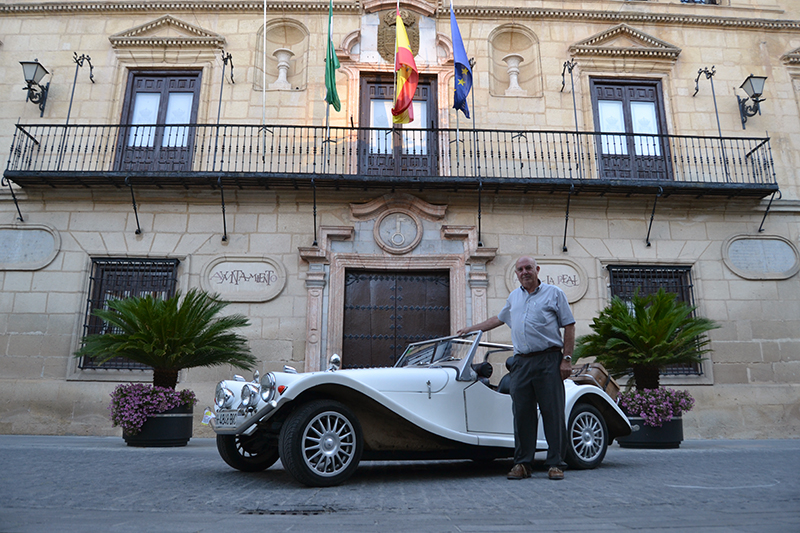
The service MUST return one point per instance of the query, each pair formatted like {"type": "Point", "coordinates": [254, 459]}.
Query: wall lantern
{"type": "Point", "coordinates": [34, 72]}
{"type": "Point", "coordinates": [754, 87]}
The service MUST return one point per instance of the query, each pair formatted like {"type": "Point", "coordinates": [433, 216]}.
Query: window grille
{"type": "Point", "coordinates": [112, 278]}
{"type": "Point", "coordinates": [625, 280]}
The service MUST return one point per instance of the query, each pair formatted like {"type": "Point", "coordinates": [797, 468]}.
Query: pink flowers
{"type": "Point", "coordinates": [656, 406]}
{"type": "Point", "coordinates": [133, 403]}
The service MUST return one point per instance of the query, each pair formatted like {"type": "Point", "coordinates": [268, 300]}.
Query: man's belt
{"type": "Point", "coordinates": [554, 349]}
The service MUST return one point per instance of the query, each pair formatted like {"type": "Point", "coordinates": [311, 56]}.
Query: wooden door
{"type": "Point", "coordinates": [384, 311]}
{"type": "Point", "coordinates": [158, 108]}
{"type": "Point", "coordinates": [402, 150]}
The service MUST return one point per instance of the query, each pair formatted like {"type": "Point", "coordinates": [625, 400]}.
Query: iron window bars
{"type": "Point", "coordinates": [112, 278]}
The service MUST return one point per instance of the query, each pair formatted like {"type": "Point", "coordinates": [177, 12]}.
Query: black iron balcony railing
{"type": "Point", "coordinates": [244, 156]}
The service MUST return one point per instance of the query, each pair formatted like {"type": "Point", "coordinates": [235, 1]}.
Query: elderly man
{"type": "Point", "coordinates": [542, 361]}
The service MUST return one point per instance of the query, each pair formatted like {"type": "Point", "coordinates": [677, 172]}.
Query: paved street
{"type": "Point", "coordinates": [71, 484]}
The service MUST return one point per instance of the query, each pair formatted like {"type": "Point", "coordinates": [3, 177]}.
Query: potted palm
{"type": "Point", "coordinates": [167, 335]}
{"type": "Point", "coordinates": [638, 339]}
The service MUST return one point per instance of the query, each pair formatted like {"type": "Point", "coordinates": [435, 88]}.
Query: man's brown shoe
{"type": "Point", "coordinates": [520, 471]}
{"type": "Point", "coordinates": [555, 473]}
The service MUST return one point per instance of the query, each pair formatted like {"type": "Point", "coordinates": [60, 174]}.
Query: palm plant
{"type": "Point", "coordinates": [644, 335]}
{"type": "Point", "coordinates": [170, 334]}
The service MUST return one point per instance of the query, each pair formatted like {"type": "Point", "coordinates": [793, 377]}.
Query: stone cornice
{"type": "Point", "coordinates": [602, 44]}
{"type": "Point", "coordinates": [613, 17]}
{"type": "Point", "coordinates": [222, 6]}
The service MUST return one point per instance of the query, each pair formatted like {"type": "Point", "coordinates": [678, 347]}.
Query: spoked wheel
{"type": "Point", "coordinates": [588, 437]}
{"type": "Point", "coordinates": [248, 453]}
{"type": "Point", "coordinates": [321, 443]}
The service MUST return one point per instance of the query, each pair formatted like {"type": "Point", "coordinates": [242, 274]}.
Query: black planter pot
{"type": "Point", "coordinates": [669, 435]}
{"type": "Point", "coordinates": [168, 429]}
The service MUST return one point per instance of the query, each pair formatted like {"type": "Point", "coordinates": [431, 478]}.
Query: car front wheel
{"type": "Point", "coordinates": [248, 453]}
{"type": "Point", "coordinates": [587, 437]}
{"type": "Point", "coordinates": [321, 443]}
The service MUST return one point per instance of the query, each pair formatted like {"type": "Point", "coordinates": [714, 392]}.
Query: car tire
{"type": "Point", "coordinates": [321, 443]}
{"type": "Point", "coordinates": [587, 437]}
{"type": "Point", "coordinates": [248, 453]}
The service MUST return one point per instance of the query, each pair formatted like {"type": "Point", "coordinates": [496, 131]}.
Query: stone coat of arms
{"type": "Point", "coordinates": [387, 33]}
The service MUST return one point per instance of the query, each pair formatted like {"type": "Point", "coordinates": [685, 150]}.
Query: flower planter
{"type": "Point", "coordinates": [669, 435]}
{"type": "Point", "coordinates": [168, 429]}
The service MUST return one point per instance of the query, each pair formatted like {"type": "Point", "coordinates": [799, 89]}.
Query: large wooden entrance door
{"type": "Point", "coordinates": [402, 150]}
{"type": "Point", "coordinates": [384, 311]}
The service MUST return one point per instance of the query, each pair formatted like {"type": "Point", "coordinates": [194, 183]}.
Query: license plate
{"type": "Point", "coordinates": [226, 418]}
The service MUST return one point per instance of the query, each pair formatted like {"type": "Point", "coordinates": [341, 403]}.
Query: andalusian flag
{"type": "Point", "coordinates": [331, 64]}
{"type": "Point", "coordinates": [463, 79]}
{"type": "Point", "coordinates": [407, 76]}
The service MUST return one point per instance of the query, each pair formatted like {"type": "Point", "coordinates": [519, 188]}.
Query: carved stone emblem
{"type": "Point", "coordinates": [387, 33]}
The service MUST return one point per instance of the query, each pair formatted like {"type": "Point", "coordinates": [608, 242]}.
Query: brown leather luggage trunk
{"type": "Point", "coordinates": [595, 374]}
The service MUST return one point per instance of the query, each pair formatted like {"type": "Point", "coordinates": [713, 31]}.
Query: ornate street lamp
{"type": "Point", "coordinates": [754, 87]}
{"type": "Point", "coordinates": [34, 72]}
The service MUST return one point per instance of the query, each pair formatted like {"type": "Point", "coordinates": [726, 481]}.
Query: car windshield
{"type": "Point", "coordinates": [437, 351]}
{"type": "Point", "coordinates": [473, 360]}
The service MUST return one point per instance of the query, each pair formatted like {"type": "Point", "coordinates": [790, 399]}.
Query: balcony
{"type": "Point", "coordinates": [278, 156]}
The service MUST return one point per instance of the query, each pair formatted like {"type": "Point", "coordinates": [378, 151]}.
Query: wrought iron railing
{"type": "Point", "coordinates": [168, 154]}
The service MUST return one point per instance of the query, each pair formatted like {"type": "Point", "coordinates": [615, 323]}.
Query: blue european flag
{"type": "Point", "coordinates": [463, 80]}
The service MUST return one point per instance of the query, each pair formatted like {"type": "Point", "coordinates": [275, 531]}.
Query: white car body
{"type": "Point", "coordinates": [432, 404]}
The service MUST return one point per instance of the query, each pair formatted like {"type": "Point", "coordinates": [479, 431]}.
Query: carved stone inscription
{"type": "Point", "coordinates": [564, 274]}
{"type": "Point", "coordinates": [241, 280]}
{"type": "Point", "coordinates": [27, 248]}
{"type": "Point", "coordinates": [762, 258]}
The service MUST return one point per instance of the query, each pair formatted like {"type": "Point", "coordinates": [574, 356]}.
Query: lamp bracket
{"type": "Point", "coordinates": [748, 110]}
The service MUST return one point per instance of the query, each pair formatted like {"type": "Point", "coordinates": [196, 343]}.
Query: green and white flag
{"type": "Point", "coordinates": [331, 64]}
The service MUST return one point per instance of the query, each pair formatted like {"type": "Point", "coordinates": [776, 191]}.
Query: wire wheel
{"type": "Point", "coordinates": [329, 443]}
{"type": "Point", "coordinates": [588, 437]}
{"type": "Point", "coordinates": [321, 443]}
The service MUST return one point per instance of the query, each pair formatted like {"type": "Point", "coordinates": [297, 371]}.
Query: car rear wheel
{"type": "Point", "coordinates": [248, 453]}
{"type": "Point", "coordinates": [587, 437]}
{"type": "Point", "coordinates": [321, 443]}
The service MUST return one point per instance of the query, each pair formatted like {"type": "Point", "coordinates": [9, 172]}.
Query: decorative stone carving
{"type": "Point", "coordinates": [761, 257]}
{"type": "Point", "coordinates": [29, 247]}
{"type": "Point", "coordinates": [244, 278]}
{"type": "Point", "coordinates": [283, 55]}
{"type": "Point", "coordinates": [513, 61]}
{"type": "Point", "coordinates": [624, 41]}
{"type": "Point", "coordinates": [387, 33]}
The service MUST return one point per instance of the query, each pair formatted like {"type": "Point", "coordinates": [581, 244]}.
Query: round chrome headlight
{"type": "Point", "coordinates": [223, 397]}
{"type": "Point", "coordinates": [268, 387]}
{"type": "Point", "coordinates": [249, 395]}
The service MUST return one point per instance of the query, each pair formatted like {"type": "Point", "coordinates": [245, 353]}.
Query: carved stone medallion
{"type": "Point", "coordinates": [387, 33]}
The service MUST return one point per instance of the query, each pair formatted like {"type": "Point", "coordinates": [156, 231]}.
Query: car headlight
{"type": "Point", "coordinates": [268, 387]}
{"type": "Point", "coordinates": [249, 395]}
{"type": "Point", "coordinates": [223, 397]}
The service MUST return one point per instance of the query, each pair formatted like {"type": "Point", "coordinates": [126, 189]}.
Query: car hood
{"type": "Point", "coordinates": [400, 379]}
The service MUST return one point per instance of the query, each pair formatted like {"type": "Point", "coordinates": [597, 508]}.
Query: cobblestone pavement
{"type": "Point", "coordinates": [71, 484]}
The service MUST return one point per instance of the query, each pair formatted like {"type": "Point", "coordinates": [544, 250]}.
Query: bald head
{"type": "Point", "coordinates": [527, 271]}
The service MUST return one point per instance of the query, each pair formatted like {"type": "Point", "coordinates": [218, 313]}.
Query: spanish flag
{"type": "Point", "coordinates": [407, 77]}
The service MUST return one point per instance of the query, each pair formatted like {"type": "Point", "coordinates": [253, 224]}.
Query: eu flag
{"type": "Point", "coordinates": [463, 79]}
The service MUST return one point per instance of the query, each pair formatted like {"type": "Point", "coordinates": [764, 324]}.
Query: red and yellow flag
{"type": "Point", "coordinates": [407, 77]}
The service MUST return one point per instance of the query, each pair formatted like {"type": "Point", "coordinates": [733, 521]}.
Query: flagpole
{"type": "Point", "coordinates": [477, 164]}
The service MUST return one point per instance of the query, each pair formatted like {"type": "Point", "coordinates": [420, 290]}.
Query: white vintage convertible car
{"type": "Point", "coordinates": [444, 399]}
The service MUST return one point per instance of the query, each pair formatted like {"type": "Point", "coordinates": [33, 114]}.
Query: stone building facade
{"type": "Point", "coordinates": [607, 143]}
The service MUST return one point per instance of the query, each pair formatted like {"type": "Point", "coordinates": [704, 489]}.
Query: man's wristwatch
{"type": "Point", "coordinates": [568, 358]}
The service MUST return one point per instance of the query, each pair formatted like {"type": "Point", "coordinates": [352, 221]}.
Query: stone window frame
{"type": "Point", "coordinates": [140, 373]}
{"type": "Point", "coordinates": [704, 376]}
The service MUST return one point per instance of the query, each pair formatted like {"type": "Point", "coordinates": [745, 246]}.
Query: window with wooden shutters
{"type": "Point", "coordinates": [635, 110]}
{"type": "Point", "coordinates": [158, 110]}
